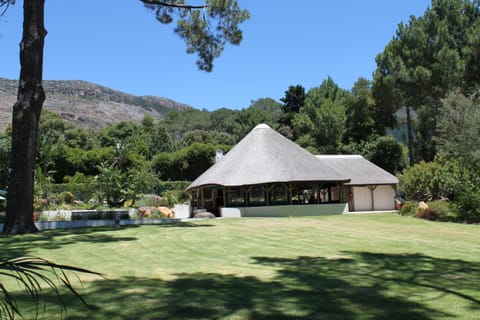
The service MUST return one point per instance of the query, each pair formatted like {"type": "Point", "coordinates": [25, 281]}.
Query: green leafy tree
{"type": "Point", "coordinates": [273, 107]}
{"type": "Point", "coordinates": [225, 120]}
{"type": "Point", "coordinates": [141, 179]}
{"type": "Point", "coordinates": [196, 22]}
{"type": "Point", "coordinates": [203, 136]}
{"type": "Point", "coordinates": [330, 90]}
{"type": "Point", "coordinates": [43, 184]}
{"type": "Point", "coordinates": [178, 123]}
{"type": "Point", "coordinates": [110, 135]}
{"type": "Point", "coordinates": [459, 129]}
{"type": "Point", "coordinates": [359, 111]}
{"type": "Point", "coordinates": [386, 153]}
{"type": "Point", "coordinates": [292, 102]}
{"type": "Point", "coordinates": [148, 122]}
{"type": "Point", "coordinates": [249, 118]}
{"type": "Point", "coordinates": [427, 58]}
{"type": "Point", "coordinates": [111, 185]}
{"type": "Point", "coordinates": [187, 163]}
{"type": "Point", "coordinates": [160, 140]}
{"type": "Point", "coordinates": [5, 144]}
{"type": "Point", "coordinates": [467, 205]}
{"type": "Point", "coordinates": [163, 166]}
{"type": "Point", "coordinates": [205, 28]}
{"type": "Point", "coordinates": [81, 185]}
{"type": "Point", "coordinates": [320, 124]}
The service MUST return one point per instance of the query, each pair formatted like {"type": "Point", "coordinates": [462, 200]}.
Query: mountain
{"type": "Point", "coordinates": [87, 104]}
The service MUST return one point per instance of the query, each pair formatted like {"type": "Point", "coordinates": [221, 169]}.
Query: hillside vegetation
{"type": "Point", "coordinates": [88, 105]}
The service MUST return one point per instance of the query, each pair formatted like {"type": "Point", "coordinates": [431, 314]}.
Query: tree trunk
{"type": "Point", "coordinates": [25, 119]}
{"type": "Point", "coordinates": [410, 137]}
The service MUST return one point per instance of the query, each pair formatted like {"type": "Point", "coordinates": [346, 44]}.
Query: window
{"type": "Point", "coordinates": [256, 195]}
{"type": "Point", "coordinates": [325, 194]}
{"type": "Point", "coordinates": [207, 193]}
{"type": "Point", "coordinates": [235, 198]}
{"type": "Point", "coordinates": [335, 192]}
{"type": "Point", "coordinates": [304, 194]}
{"type": "Point", "coordinates": [279, 194]}
{"type": "Point", "coordinates": [196, 198]}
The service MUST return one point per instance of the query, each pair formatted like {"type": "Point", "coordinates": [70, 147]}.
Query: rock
{"type": "Point", "coordinates": [145, 212]}
{"type": "Point", "coordinates": [166, 212]}
{"type": "Point", "coordinates": [423, 211]}
{"type": "Point", "coordinates": [204, 215]}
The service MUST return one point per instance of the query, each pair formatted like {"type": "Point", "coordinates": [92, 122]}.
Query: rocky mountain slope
{"type": "Point", "coordinates": [88, 105]}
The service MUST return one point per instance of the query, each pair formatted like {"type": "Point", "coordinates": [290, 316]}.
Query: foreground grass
{"type": "Point", "coordinates": [377, 266]}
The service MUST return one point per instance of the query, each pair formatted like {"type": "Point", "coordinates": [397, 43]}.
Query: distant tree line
{"type": "Point", "coordinates": [326, 119]}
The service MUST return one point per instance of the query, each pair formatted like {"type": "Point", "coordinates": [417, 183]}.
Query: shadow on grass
{"type": "Point", "coordinates": [54, 239]}
{"type": "Point", "coordinates": [17, 246]}
{"type": "Point", "coordinates": [360, 286]}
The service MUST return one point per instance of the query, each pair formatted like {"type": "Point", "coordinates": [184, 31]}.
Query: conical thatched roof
{"type": "Point", "coordinates": [265, 156]}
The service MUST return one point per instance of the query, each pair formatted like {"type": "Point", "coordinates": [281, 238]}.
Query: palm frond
{"type": "Point", "coordinates": [31, 273]}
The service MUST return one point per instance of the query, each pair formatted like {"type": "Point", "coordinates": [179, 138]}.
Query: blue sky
{"type": "Point", "coordinates": [120, 45]}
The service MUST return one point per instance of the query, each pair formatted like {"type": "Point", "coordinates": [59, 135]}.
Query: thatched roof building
{"type": "Point", "coordinates": [265, 156]}
{"type": "Point", "coordinates": [265, 169]}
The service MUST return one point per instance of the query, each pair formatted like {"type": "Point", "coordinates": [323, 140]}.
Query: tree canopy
{"type": "Point", "coordinates": [428, 57]}
{"type": "Point", "coordinates": [206, 29]}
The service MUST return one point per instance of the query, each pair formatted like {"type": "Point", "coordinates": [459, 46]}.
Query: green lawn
{"type": "Point", "coordinates": [372, 266]}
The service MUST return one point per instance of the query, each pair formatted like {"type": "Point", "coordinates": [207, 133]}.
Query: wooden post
{"type": "Point", "coordinates": [224, 190]}
{"type": "Point", "coordinates": [268, 189]}
{"type": "Point", "coordinates": [372, 189]}
{"type": "Point", "coordinates": [290, 193]}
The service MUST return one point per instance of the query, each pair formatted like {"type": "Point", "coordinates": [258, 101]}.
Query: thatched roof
{"type": "Point", "coordinates": [359, 170]}
{"type": "Point", "coordinates": [265, 156]}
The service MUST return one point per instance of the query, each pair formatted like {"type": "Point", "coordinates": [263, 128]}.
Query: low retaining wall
{"type": "Point", "coordinates": [75, 215]}
{"type": "Point", "coordinates": [50, 225]}
{"type": "Point", "coordinates": [62, 219]}
{"type": "Point", "coordinates": [286, 211]}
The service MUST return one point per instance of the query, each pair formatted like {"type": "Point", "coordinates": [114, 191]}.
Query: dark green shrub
{"type": "Point", "coordinates": [157, 214]}
{"type": "Point", "coordinates": [67, 197]}
{"type": "Point", "coordinates": [172, 185]}
{"type": "Point", "coordinates": [467, 205]}
{"type": "Point", "coordinates": [386, 153]}
{"type": "Point", "coordinates": [169, 198]}
{"type": "Point", "coordinates": [99, 215]}
{"type": "Point", "coordinates": [440, 210]}
{"type": "Point", "coordinates": [151, 200]}
{"type": "Point", "coordinates": [183, 196]}
{"type": "Point", "coordinates": [408, 209]}
{"type": "Point", "coordinates": [54, 199]}
{"type": "Point", "coordinates": [426, 181]}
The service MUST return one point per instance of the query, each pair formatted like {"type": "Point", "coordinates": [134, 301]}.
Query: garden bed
{"type": "Point", "coordinates": [69, 219]}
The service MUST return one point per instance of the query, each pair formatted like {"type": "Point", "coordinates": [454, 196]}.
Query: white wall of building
{"type": "Point", "coordinates": [383, 198]}
{"type": "Point", "coordinates": [362, 199]}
